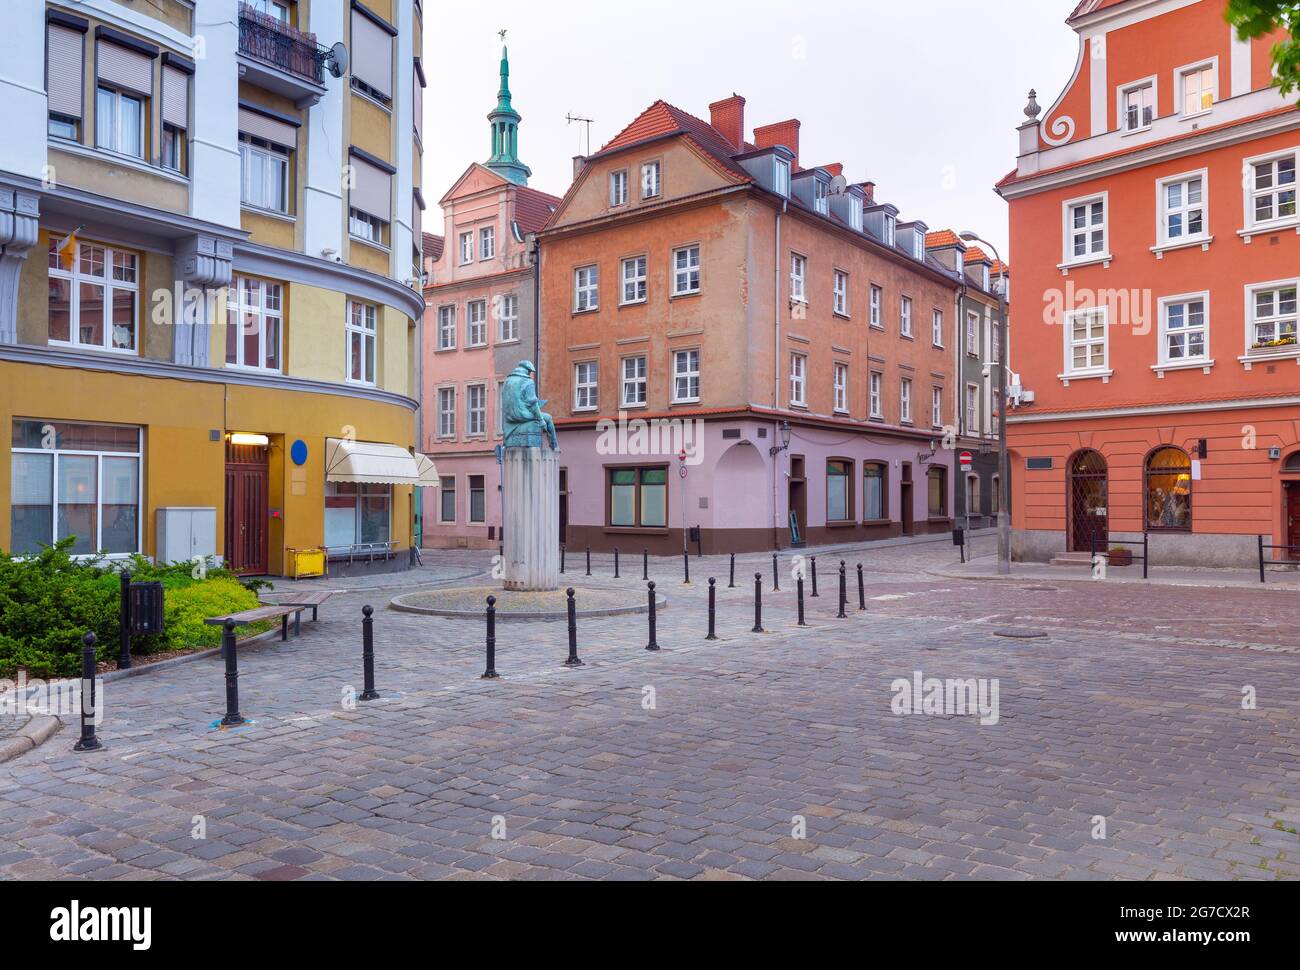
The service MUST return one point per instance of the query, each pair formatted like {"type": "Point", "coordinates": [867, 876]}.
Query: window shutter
{"type": "Point", "coordinates": [260, 126]}
{"type": "Point", "coordinates": [372, 54]}
{"type": "Point", "coordinates": [175, 97]}
{"type": "Point", "coordinates": [419, 105]}
{"type": "Point", "coordinates": [63, 70]}
{"type": "Point", "coordinates": [124, 68]}
{"type": "Point", "coordinates": [372, 190]}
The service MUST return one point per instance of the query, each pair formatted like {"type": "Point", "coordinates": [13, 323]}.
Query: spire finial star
{"type": "Point", "coordinates": [502, 35]}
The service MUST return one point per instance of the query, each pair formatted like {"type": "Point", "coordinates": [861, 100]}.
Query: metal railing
{"type": "Point", "coordinates": [366, 551]}
{"type": "Point", "coordinates": [1145, 557]}
{"type": "Point", "coordinates": [1289, 550]}
{"type": "Point", "coordinates": [280, 45]}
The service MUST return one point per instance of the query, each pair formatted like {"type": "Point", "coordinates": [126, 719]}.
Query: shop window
{"type": "Point", "coordinates": [1169, 490]}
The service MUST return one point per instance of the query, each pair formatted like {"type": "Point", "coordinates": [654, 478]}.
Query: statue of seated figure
{"type": "Point", "coordinates": [523, 421]}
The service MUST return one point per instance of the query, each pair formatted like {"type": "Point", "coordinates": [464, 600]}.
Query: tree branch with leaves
{"type": "Point", "coordinates": [1253, 19]}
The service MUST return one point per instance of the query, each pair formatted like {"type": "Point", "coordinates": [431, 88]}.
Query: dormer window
{"type": "Point", "coordinates": [782, 183]}
{"type": "Point", "coordinates": [918, 245]}
{"type": "Point", "coordinates": [651, 180]}
{"type": "Point", "coordinates": [889, 230]}
{"type": "Point", "coordinates": [821, 198]}
{"type": "Point", "coordinates": [984, 278]}
{"type": "Point", "coordinates": [855, 214]}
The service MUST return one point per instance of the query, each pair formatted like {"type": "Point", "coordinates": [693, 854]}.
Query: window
{"type": "Point", "coordinates": [618, 187]}
{"type": "Point", "coordinates": [64, 126]}
{"type": "Point", "coordinates": [477, 498]}
{"type": "Point", "coordinates": [877, 298]}
{"type": "Point", "coordinates": [279, 9]}
{"type": "Point", "coordinates": [446, 328]}
{"type": "Point", "coordinates": [476, 323]}
{"type": "Point", "coordinates": [905, 401]}
{"type": "Point", "coordinates": [686, 270]}
{"type": "Point", "coordinates": [972, 333]}
{"type": "Point", "coordinates": [936, 328]}
{"type": "Point", "coordinates": [446, 412]}
{"type": "Point", "coordinates": [264, 174]}
{"type": "Point", "coordinates": [466, 248]}
{"type": "Point", "coordinates": [635, 271]}
{"type": "Point", "coordinates": [821, 200]}
{"type": "Point", "coordinates": [840, 293]}
{"type": "Point", "coordinates": [372, 56]}
{"type": "Point", "coordinates": [447, 498]}
{"type": "Point", "coordinates": [507, 308]}
{"type": "Point", "coordinates": [1273, 189]}
{"type": "Point", "coordinates": [1184, 325]}
{"type": "Point", "coordinates": [798, 380]}
{"type": "Point", "coordinates": [782, 170]}
{"type": "Point", "coordinates": [1087, 341]}
{"type": "Point", "coordinates": [686, 376]}
{"type": "Point", "coordinates": [638, 498]}
{"type": "Point", "coordinates": [586, 286]}
{"type": "Point", "coordinates": [875, 398]}
{"type": "Point", "coordinates": [936, 407]}
{"type": "Point", "coordinates": [1086, 230]}
{"type": "Point", "coordinates": [874, 507]}
{"type": "Point", "coordinates": [357, 515]}
{"type": "Point", "coordinates": [487, 242]}
{"type": "Point", "coordinates": [651, 180]}
{"type": "Point", "coordinates": [972, 495]}
{"type": "Point", "coordinates": [937, 480]}
{"type": "Point", "coordinates": [891, 230]}
{"type": "Point", "coordinates": [253, 323]}
{"type": "Point", "coordinates": [995, 332]}
{"type": "Point", "coordinates": [798, 278]}
{"type": "Point", "coordinates": [905, 316]}
{"type": "Point", "coordinates": [1138, 105]}
{"type": "Point", "coordinates": [65, 54]}
{"type": "Point", "coordinates": [1198, 89]}
{"type": "Point", "coordinates": [1169, 490]}
{"type": "Point", "coordinates": [475, 410]}
{"type": "Point", "coordinates": [634, 382]}
{"type": "Point", "coordinates": [362, 225]}
{"type": "Point", "coordinates": [93, 301]}
{"type": "Point", "coordinates": [119, 122]}
{"type": "Point", "coordinates": [79, 480]}
{"type": "Point", "coordinates": [172, 149]}
{"type": "Point", "coordinates": [585, 386]}
{"type": "Point", "coordinates": [855, 213]}
{"type": "Point", "coordinates": [362, 336]}
{"type": "Point", "coordinates": [972, 409]}
{"type": "Point", "coordinates": [839, 491]}
{"type": "Point", "coordinates": [840, 387]}
{"type": "Point", "coordinates": [1182, 203]}
{"type": "Point", "coordinates": [500, 424]}
{"type": "Point", "coordinates": [1273, 317]}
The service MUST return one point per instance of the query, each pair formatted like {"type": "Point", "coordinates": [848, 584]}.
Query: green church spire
{"type": "Point", "coordinates": [505, 130]}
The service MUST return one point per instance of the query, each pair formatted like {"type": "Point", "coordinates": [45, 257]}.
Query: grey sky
{"type": "Point", "coordinates": [921, 97]}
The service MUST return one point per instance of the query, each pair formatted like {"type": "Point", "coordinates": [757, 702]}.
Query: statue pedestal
{"type": "Point", "coordinates": [530, 502]}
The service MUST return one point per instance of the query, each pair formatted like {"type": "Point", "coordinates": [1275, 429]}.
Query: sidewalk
{"type": "Point", "coordinates": [986, 567]}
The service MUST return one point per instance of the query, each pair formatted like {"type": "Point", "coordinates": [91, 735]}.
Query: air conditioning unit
{"type": "Point", "coordinates": [1028, 397]}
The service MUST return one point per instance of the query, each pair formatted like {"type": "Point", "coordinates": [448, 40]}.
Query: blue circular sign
{"type": "Point", "coordinates": [298, 452]}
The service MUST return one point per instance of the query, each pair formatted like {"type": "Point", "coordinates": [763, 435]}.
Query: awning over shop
{"type": "Point", "coordinates": [375, 463]}
{"type": "Point", "coordinates": [428, 473]}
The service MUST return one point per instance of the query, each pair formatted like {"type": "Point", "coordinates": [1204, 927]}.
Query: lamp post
{"type": "Point", "coordinates": [1004, 458]}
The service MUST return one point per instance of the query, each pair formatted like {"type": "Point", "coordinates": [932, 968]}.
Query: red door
{"type": "Point", "coordinates": [247, 482]}
{"type": "Point", "coordinates": [1293, 521]}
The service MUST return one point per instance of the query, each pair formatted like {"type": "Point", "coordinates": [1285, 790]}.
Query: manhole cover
{"type": "Point", "coordinates": [1021, 634]}
{"type": "Point", "coordinates": [1040, 589]}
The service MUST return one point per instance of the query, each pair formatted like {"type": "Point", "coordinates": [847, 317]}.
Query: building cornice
{"type": "Point", "coordinates": [1144, 410]}
{"type": "Point", "coordinates": [295, 267]}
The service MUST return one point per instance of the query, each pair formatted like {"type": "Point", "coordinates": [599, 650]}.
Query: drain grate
{"type": "Point", "coordinates": [1021, 634]}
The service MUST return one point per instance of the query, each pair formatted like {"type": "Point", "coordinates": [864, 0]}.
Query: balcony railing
{"type": "Point", "coordinates": [280, 45]}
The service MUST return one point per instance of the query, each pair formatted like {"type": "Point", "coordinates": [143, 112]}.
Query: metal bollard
{"type": "Point", "coordinates": [491, 672]}
{"type": "Point", "coordinates": [758, 604]}
{"type": "Point", "coordinates": [573, 660]}
{"type": "Point", "coordinates": [799, 587]}
{"type": "Point", "coordinates": [561, 557]}
{"type": "Point", "coordinates": [368, 654]}
{"type": "Point", "coordinates": [616, 576]}
{"type": "Point", "coordinates": [862, 591]}
{"type": "Point", "coordinates": [713, 603]}
{"type": "Point", "coordinates": [686, 569]}
{"type": "Point", "coordinates": [814, 578]}
{"type": "Point", "coordinates": [645, 565]}
{"type": "Point", "coordinates": [844, 593]}
{"type": "Point", "coordinates": [230, 651]}
{"type": "Point", "coordinates": [124, 620]}
{"type": "Point", "coordinates": [732, 583]}
{"type": "Point", "coordinates": [89, 741]}
{"type": "Point", "coordinates": [653, 644]}
{"type": "Point", "coordinates": [776, 575]}
{"type": "Point", "coordinates": [589, 560]}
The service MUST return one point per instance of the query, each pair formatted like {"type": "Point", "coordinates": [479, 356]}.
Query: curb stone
{"type": "Point", "coordinates": [30, 736]}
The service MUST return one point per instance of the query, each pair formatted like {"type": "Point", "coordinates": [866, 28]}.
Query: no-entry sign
{"type": "Point", "coordinates": [966, 459]}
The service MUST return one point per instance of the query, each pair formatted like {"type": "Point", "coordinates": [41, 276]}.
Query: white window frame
{"type": "Point", "coordinates": [637, 280]}
{"type": "Point", "coordinates": [972, 333]}
{"type": "Point", "coordinates": [1181, 75]}
{"type": "Point", "coordinates": [936, 327]}
{"type": "Point", "coordinates": [364, 329]}
{"type": "Point", "coordinates": [364, 226]}
{"type": "Point", "coordinates": [446, 415]}
{"type": "Point", "coordinates": [877, 307]}
{"type": "Point", "coordinates": [798, 278]}
{"type": "Point", "coordinates": [821, 197]}
{"type": "Point", "coordinates": [875, 394]}
{"type": "Point", "coordinates": [905, 316]}
{"type": "Point", "coordinates": [1089, 370]}
{"type": "Point", "coordinates": [1251, 193]}
{"type": "Point", "coordinates": [275, 175]}
{"type": "Point", "coordinates": [781, 171]}
{"type": "Point", "coordinates": [798, 380]}
{"type": "Point", "coordinates": [840, 387]}
{"type": "Point", "coordinates": [840, 292]}
{"type": "Point", "coordinates": [447, 326]}
{"type": "Point", "coordinates": [586, 385]}
{"type": "Point", "coordinates": [686, 376]}
{"type": "Point", "coordinates": [634, 384]}
{"type": "Point", "coordinates": [972, 409]}
{"type": "Point", "coordinates": [476, 415]}
{"type": "Point", "coordinates": [1121, 103]}
{"type": "Point", "coordinates": [236, 292]}
{"type": "Point", "coordinates": [1068, 257]}
{"type": "Point", "coordinates": [936, 407]}
{"type": "Point", "coordinates": [1163, 213]}
{"type": "Point", "coordinates": [466, 247]}
{"type": "Point", "coordinates": [686, 278]}
{"type": "Point", "coordinates": [487, 243]}
{"type": "Point", "coordinates": [1165, 362]}
{"type": "Point", "coordinates": [476, 323]}
{"type": "Point", "coordinates": [109, 284]}
{"type": "Point", "coordinates": [1291, 350]}
{"type": "Point", "coordinates": [507, 312]}
{"type": "Point", "coordinates": [905, 400]}
{"type": "Point", "coordinates": [116, 146]}
{"type": "Point", "coordinates": [618, 188]}
{"type": "Point", "coordinates": [652, 179]}
{"type": "Point", "coordinates": [586, 288]}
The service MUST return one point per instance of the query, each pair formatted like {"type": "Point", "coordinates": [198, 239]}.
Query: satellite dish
{"type": "Point", "coordinates": [839, 185]}
{"type": "Point", "coordinates": [336, 61]}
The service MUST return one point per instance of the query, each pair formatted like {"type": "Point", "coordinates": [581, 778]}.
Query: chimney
{"type": "Point", "coordinates": [870, 189]}
{"type": "Point", "coordinates": [835, 168]}
{"type": "Point", "coordinates": [579, 163]}
{"type": "Point", "coordinates": [782, 133]}
{"type": "Point", "coordinates": [728, 116]}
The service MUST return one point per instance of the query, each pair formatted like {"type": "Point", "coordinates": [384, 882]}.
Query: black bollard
{"type": "Point", "coordinates": [230, 651]}
{"type": "Point", "coordinates": [653, 644]}
{"type": "Point", "coordinates": [686, 569]}
{"type": "Point", "coordinates": [368, 654]}
{"type": "Point", "coordinates": [616, 576]}
{"type": "Point", "coordinates": [89, 741]}
{"type": "Point", "coordinates": [124, 622]}
{"type": "Point", "coordinates": [799, 586]}
{"type": "Point", "coordinates": [713, 603]}
{"type": "Point", "coordinates": [776, 576]}
{"type": "Point", "coordinates": [573, 660]}
{"type": "Point", "coordinates": [732, 583]}
{"type": "Point", "coordinates": [589, 560]}
{"type": "Point", "coordinates": [561, 558]}
{"type": "Point", "coordinates": [814, 578]}
{"type": "Point", "coordinates": [491, 672]}
{"type": "Point", "coordinates": [758, 604]}
{"type": "Point", "coordinates": [862, 591]}
{"type": "Point", "coordinates": [645, 565]}
{"type": "Point", "coordinates": [844, 593]}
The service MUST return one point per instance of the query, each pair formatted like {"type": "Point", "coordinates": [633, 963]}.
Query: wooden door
{"type": "Point", "coordinates": [1293, 521]}
{"type": "Point", "coordinates": [247, 484]}
{"type": "Point", "coordinates": [1089, 490]}
{"type": "Point", "coordinates": [906, 509]}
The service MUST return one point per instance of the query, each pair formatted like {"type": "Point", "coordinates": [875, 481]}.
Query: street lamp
{"type": "Point", "coordinates": [785, 440]}
{"type": "Point", "coordinates": [1004, 458]}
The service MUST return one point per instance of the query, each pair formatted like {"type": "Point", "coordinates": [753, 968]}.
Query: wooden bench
{"type": "Point", "coordinates": [303, 601]}
{"type": "Point", "coordinates": [269, 612]}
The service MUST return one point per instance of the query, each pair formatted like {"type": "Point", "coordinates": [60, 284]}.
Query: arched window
{"type": "Point", "coordinates": [839, 490]}
{"type": "Point", "coordinates": [995, 495]}
{"type": "Point", "coordinates": [874, 480]}
{"type": "Point", "coordinates": [938, 484]}
{"type": "Point", "coordinates": [1169, 490]}
{"type": "Point", "coordinates": [1292, 466]}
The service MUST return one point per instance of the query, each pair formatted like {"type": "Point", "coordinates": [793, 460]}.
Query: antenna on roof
{"type": "Point", "coordinates": [571, 118]}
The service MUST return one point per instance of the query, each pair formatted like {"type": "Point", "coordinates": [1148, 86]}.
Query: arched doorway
{"type": "Point", "coordinates": [1088, 497]}
{"type": "Point", "coordinates": [1291, 511]}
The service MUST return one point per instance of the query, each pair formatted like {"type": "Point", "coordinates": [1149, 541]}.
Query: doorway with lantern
{"type": "Point", "coordinates": [247, 498]}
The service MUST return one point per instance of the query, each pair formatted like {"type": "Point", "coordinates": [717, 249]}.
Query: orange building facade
{"type": "Point", "coordinates": [1153, 211]}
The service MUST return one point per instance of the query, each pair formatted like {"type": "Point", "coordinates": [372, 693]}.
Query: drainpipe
{"type": "Point", "coordinates": [535, 255]}
{"type": "Point", "coordinates": [776, 379]}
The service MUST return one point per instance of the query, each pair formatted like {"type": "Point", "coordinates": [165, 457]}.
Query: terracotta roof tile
{"type": "Point", "coordinates": [432, 245]}
{"type": "Point", "coordinates": [662, 118]}
{"type": "Point", "coordinates": [533, 208]}
{"type": "Point", "coordinates": [941, 238]}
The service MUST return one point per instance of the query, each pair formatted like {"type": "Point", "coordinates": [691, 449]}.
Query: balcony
{"type": "Point", "coordinates": [279, 58]}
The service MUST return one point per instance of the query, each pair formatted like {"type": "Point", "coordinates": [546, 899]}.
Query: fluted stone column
{"type": "Point", "coordinates": [530, 498]}
{"type": "Point", "coordinates": [19, 228]}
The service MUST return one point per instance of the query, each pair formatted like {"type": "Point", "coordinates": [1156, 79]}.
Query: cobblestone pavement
{"type": "Point", "coordinates": [700, 760]}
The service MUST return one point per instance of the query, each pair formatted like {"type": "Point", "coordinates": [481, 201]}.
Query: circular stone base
{"type": "Point", "coordinates": [471, 603]}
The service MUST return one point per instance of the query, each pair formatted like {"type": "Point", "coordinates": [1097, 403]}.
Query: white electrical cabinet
{"type": "Point", "coordinates": [184, 533]}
